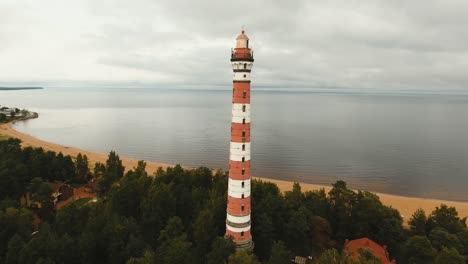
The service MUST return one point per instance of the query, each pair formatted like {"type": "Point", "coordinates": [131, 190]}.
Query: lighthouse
{"type": "Point", "coordinates": [238, 223]}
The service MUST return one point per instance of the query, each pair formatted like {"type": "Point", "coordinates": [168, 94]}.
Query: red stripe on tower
{"type": "Point", "coordinates": [238, 205]}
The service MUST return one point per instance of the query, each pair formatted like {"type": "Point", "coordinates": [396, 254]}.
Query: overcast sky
{"type": "Point", "coordinates": [359, 44]}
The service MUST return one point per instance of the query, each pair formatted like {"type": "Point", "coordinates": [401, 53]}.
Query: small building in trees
{"type": "Point", "coordinates": [27, 200]}
{"type": "Point", "coordinates": [7, 111]}
{"type": "Point", "coordinates": [355, 247]}
{"type": "Point", "coordinates": [60, 192]}
{"type": "Point", "coordinates": [302, 260]}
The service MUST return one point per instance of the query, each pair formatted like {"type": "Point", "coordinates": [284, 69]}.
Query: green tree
{"type": "Point", "coordinates": [418, 250]}
{"type": "Point", "coordinates": [89, 246]}
{"type": "Point", "coordinates": [449, 255]}
{"type": "Point", "coordinates": [447, 218]}
{"type": "Point", "coordinates": [264, 234]}
{"type": "Point", "coordinates": [317, 202]}
{"type": "Point", "coordinates": [280, 254]}
{"type": "Point", "coordinates": [41, 248]}
{"type": "Point", "coordinates": [270, 216]}
{"type": "Point", "coordinates": [440, 238]}
{"type": "Point", "coordinates": [321, 232]}
{"type": "Point", "coordinates": [35, 185]}
{"type": "Point", "coordinates": [3, 117]}
{"type": "Point", "coordinates": [63, 167]}
{"type": "Point", "coordinates": [463, 238]}
{"type": "Point", "coordinates": [367, 257]}
{"type": "Point", "coordinates": [99, 169]}
{"type": "Point", "coordinates": [203, 231]}
{"type": "Point", "coordinates": [295, 197]}
{"type": "Point", "coordinates": [242, 257]}
{"type": "Point", "coordinates": [42, 194]}
{"type": "Point", "coordinates": [139, 171]}
{"type": "Point", "coordinates": [15, 245]}
{"type": "Point", "coordinates": [66, 251]}
{"type": "Point", "coordinates": [298, 236]}
{"type": "Point", "coordinates": [341, 204]}
{"type": "Point", "coordinates": [221, 249]}
{"type": "Point", "coordinates": [148, 258]}
{"type": "Point", "coordinates": [417, 223]}
{"type": "Point", "coordinates": [157, 207]}
{"type": "Point", "coordinates": [114, 165]}
{"type": "Point", "coordinates": [126, 195]}
{"type": "Point", "coordinates": [173, 245]}
{"type": "Point", "coordinates": [114, 170]}
{"type": "Point", "coordinates": [69, 220]}
{"type": "Point", "coordinates": [82, 167]}
{"type": "Point", "coordinates": [14, 221]}
{"type": "Point", "coordinates": [121, 238]}
{"type": "Point", "coordinates": [331, 256]}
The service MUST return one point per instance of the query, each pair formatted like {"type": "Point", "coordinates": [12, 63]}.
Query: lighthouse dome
{"type": "Point", "coordinates": [242, 40]}
{"type": "Point", "coordinates": [242, 35]}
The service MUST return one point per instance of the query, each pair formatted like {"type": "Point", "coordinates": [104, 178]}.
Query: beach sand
{"type": "Point", "coordinates": [405, 205]}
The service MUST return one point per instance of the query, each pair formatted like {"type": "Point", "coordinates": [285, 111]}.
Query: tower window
{"type": "Point", "coordinates": [242, 233]}
{"type": "Point", "coordinates": [243, 159]}
{"type": "Point", "coordinates": [242, 196]}
{"type": "Point", "coordinates": [245, 65]}
{"type": "Point", "coordinates": [243, 183]}
{"type": "Point", "coordinates": [243, 147]}
{"type": "Point", "coordinates": [243, 133]}
{"type": "Point", "coordinates": [243, 121]}
{"type": "Point", "coordinates": [242, 208]}
{"type": "Point", "coordinates": [243, 108]}
{"type": "Point", "coordinates": [243, 172]}
{"type": "Point", "coordinates": [244, 94]}
{"type": "Point", "coordinates": [245, 75]}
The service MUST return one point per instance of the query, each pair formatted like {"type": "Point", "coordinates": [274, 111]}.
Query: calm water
{"type": "Point", "coordinates": [408, 144]}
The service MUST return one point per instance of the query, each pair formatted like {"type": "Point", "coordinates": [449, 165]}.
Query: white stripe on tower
{"type": "Point", "coordinates": [241, 76]}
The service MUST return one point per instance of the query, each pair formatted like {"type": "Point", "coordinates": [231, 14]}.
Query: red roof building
{"type": "Point", "coordinates": [352, 247]}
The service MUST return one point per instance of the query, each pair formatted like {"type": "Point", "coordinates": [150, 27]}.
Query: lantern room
{"type": "Point", "coordinates": [242, 41]}
{"type": "Point", "coordinates": [242, 52]}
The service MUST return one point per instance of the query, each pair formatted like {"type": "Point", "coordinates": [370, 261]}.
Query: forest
{"type": "Point", "coordinates": [178, 216]}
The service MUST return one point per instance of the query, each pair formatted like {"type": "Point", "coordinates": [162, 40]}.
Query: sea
{"type": "Point", "coordinates": [409, 143]}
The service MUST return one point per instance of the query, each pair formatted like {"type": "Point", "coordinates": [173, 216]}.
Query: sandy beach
{"type": "Point", "coordinates": [406, 205]}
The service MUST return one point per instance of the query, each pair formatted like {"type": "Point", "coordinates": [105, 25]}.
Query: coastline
{"type": "Point", "coordinates": [405, 205]}
{"type": "Point", "coordinates": [20, 88]}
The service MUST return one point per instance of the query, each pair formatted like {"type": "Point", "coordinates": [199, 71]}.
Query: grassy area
{"type": "Point", "coordinates": [2, 137]}
{"type": "Point", "coordinates": [81, 202]}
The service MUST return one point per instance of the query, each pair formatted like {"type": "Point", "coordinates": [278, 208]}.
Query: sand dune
{"type": "Point", "coordinates": [406, 205]}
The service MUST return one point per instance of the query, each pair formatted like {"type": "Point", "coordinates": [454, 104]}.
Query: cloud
{"type": "Point", "coordinates": [365, 44]}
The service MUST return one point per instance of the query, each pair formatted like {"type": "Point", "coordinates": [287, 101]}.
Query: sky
{"type": "Point", "coordinates": [372, 44]}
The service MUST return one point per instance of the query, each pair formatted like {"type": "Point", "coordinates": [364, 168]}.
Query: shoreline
{"type": "Point", "coordinates": [20, 88]}
{"type": "Point", "coordinates": [404, 204]}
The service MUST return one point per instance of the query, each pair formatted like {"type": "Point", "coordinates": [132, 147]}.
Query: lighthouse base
{"type": "Point", "coordinates": [247, 245]}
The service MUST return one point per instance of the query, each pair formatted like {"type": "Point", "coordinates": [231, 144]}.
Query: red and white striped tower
{"type": "Point", "coordinates": [238, 204]}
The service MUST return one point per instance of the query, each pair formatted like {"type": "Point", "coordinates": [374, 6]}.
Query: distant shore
{"type": "Point", "coordinates": [405, 205]}
{"type": "Point", "coordinates": [19, 88]}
